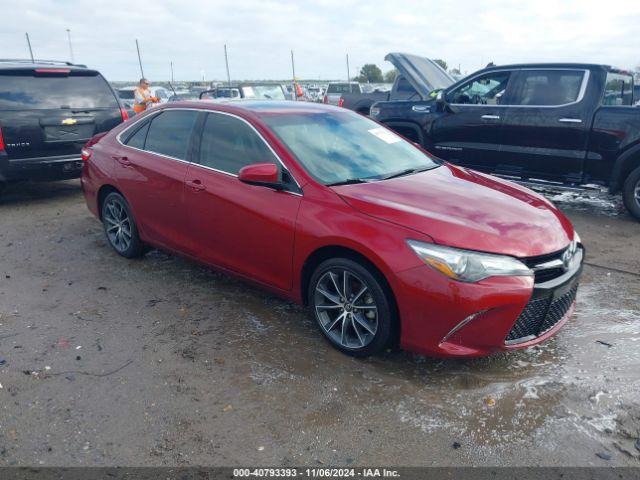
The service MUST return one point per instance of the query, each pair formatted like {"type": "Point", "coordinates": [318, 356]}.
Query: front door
{"type": "Point", "coordinates": [245, 228]}
{"type": "Point", "coordinates": [547, 127]}
{"type": "Point", "coordinates": [469, 132]}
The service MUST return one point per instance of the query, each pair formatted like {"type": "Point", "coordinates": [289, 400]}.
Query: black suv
{"type": "Point", "coordinates": [48, 110]}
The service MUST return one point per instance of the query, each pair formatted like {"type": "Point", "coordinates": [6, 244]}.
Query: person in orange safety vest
{"type": "Point", "coordinates": [142, 97]}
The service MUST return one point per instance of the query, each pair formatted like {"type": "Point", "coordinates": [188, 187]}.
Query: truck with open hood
{"type": "Point", "coordinates": [561, 124]}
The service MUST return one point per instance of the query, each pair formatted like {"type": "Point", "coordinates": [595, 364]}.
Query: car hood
{"type": "Point", "coordinates": [423, 74]}
{"type": "Point", "coordinates": [465, 209]}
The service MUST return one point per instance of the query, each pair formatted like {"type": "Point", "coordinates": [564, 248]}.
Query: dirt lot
{"type": "Point", "coordinates": [105, 361]}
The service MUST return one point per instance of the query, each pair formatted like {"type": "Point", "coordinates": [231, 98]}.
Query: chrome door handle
{"type": "Point", "coordinates": [490, 117]}
{"type": "Point", "coordinates": [570, 120]}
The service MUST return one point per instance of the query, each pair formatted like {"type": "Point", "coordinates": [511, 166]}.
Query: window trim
{"type": "Point", "coordinates": [149, 117]}
{"type": "Point", "coordinates": [581, 92]}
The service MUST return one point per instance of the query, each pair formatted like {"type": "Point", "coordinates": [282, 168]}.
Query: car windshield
{"type": "Point", "coordinates": [338, 147]}
{"type": "Point", "coordinates": [126, 94]}
{"type": "Point", "coordinates": [269, 92]}
{"type": "Point", "coordinates": [343, 88]}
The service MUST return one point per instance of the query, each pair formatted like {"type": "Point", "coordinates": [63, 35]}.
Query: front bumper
{"type": "Point", "coordinates": [42, 168]}
{"type": "Point", "coordinates": [444, 318]}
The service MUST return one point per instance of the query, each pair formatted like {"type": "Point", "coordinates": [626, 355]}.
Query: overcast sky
{"type": "Point", "coordinates": [261, 33]}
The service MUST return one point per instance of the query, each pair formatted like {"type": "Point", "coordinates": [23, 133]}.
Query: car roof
{"type": "Point", "coordinates": [257, 107]}
{"type": "Point", "coordinates": [23, 64]}
{"type": "Point", "coordinates": [583, 66]}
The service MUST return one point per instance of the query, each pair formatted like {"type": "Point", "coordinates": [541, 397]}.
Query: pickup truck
{"type": "Point", "coordinates": [563, 124]}
{"type": "Point", "coordinates": [402, 88]}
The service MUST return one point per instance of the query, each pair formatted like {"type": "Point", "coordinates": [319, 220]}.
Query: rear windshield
{"type": "Point", "coordinates": [28, 91]}
{"type": "Point", "coordinates": [343, 88]}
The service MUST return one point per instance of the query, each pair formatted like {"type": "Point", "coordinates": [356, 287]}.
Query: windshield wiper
{"type": "Point", "coordinates": [349, 181]}
{"type": "Point", "coordinates": [407, 171]}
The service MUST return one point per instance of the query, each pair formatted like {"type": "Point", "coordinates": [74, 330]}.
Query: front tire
{"type": "Point", "coordinates": [120, 227]}
{"type": "Point", "coordinates": [631, 193]}
{"type": "Point", "coordinates": [351, 306]}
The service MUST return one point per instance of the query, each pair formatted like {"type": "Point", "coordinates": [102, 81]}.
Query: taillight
{"type": "Point", "coordinates": [341, 102]}
{"type": "Point", "coordinates": [1, 141]}
{"type": "Point", "coordinates": [124, 114]}
{"type": "Point", "coordinates": [85, 153]}
{"type": "Point", "coordinates": [325, 99]}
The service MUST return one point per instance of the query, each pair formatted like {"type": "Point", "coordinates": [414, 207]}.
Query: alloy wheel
{"type": "Point", "coordinates": [346, 309]}
{"type": "Point", "coordinates": [118, 225]}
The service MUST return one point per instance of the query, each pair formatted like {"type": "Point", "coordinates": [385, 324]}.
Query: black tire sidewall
{"type": "Point", "coordinates": [136, 247]}
{"type": "Point", "coordinates": [628, 193]}
{"type": "Point", "coordinates": [386, 317]}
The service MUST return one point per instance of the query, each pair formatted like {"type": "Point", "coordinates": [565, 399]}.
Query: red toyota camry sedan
{"type": "Point", "coordinates": [323, 206]}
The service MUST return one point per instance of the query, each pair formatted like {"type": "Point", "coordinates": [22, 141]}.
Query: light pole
{"type": "Point", "coordinates": [70, 47]}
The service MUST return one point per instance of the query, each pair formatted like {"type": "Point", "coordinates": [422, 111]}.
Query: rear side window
{"type": "Point", "coordinates": [547, 87]}
{"type": "Point", "coordinates": [169, 133]}
{"type": "Point", "coordinates": [31, 91]}
{"type": "Point", "coordinates": [137, 139]}
{"type": "Point", "coordinates": [228, 144]}
{"type": "Point", "coordinates": [618, 90]}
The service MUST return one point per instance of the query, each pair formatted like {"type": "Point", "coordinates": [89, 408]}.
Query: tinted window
{"type": "Point", "coordinates": [547, 87]}
{"type": "Point", "coordinates": [228, 144]}
{"type": "Point", "coordinates": [126, 94]}
{"type": "Point", "coordinates": [338, 146]}
{"type": "Point", "coordinates": [20, 91]}
{"type": "Point", "coordinates": [485, 90]}
{"type": "Point", "coordinates": [137, 139]}
{"type": "Point", "coordinates": [169, 133]}
{"type": "Point", "coordinates": [618, 89]}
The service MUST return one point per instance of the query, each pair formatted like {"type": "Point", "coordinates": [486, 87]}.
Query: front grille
{"type": "Point", "coordinates": [540, 315]}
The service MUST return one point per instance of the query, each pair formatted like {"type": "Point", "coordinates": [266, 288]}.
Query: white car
{"type": "Point", "coordinates": [126, 94]}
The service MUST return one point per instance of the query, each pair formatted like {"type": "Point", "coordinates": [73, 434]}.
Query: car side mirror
{"type": "Point", "coordinates": [441, 102]}
{"type": "Point", "coordinates": [261, 174]}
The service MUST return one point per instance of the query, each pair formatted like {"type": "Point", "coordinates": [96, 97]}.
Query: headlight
{"type": "Point", "coordinates": [465, 265]}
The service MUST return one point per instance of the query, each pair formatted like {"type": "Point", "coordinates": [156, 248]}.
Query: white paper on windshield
{"type": "Point", "coordinates": [248, 92]}
{"type": "Point", "coordinates": [385, 135]}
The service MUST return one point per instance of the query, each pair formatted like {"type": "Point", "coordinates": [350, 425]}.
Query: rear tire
{"type": "Point", "coordinates": [352, 307]}
{"type": "Point", "coordinates": [631, 193]}
{"type": "Point", "coordinates": [120, 227]}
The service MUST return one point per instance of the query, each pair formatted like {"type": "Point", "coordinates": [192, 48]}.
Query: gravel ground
{"type": "Point", "coordinates": [159, 361]}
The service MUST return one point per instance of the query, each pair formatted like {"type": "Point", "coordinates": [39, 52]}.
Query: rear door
{"type": "Point", "coordinates": [546, 127]}
{"type": "Point", "coordinates": [150, 170]}
{"type": "Point", "coordinates": [470, 132]}
{"type": "Point", "coordinates": [52, 112]}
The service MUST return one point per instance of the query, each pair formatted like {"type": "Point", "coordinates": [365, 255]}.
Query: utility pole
{"type": "Point", "coordinates": [70, 46]}
{"type": "Point", "coordinates": [139, 59]}
{"type": "Point", "coordinates": [226, 62]}
{"type": "Point", "coordinates": [30, 50]}
{"type": "Point", "coordinates": [293, 69]}
{"type": "Point", "coordinates": [348, 75]}
{"type": "Point", "coordinates": [172, 73]}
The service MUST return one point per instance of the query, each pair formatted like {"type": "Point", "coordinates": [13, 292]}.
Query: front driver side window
{"type": "Point", "coordinates": [228, 144]}
{"type": "Point", "coordinates": [488, 89]}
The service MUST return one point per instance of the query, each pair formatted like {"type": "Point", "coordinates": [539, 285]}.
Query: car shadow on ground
{"type": "Point", "coordinates": [26, 192]}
